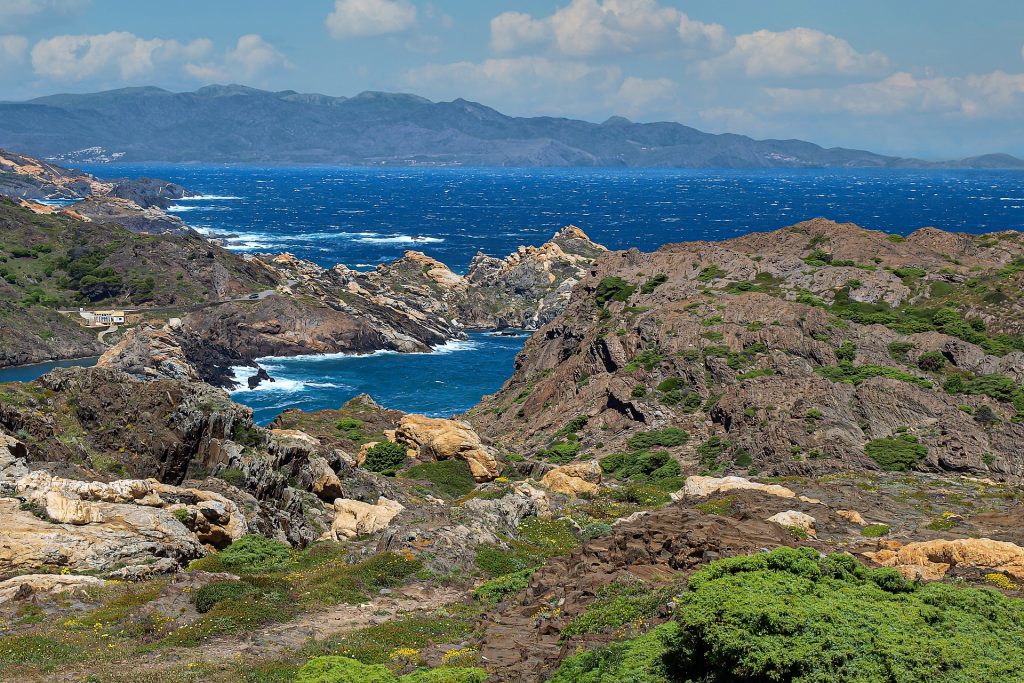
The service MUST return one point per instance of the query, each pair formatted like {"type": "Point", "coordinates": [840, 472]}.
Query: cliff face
{"type": "Point", "coordinates": [811, 349]}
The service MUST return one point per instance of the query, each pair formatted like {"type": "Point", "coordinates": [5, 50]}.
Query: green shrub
{"type": "Point", "coordinates": [790, 615]}
{"type": "Point", "coordinates": [648, 359]}
{"type": "Point", "coordinates": [595, 530]}
{"type": "Point", "coordinates": [640, 465]}
{"type": "Point", "coordinates": [712, 272]}
{"type": "Point", "coordinates": [931, 361]}
{"type": "Point", "coordinates": [899, 349]}
{"type": "Point", "coordinates": [495, 561]}
{"type": "Point", "coordinates": [710, 453]}
{"type": "Point", "coordinates": [653, 283]}
{"type": "Point", "coordinates": [250, 554]}
{"type": "Point", "coordinates": [345, 670]}
{"type": "Point", "coordinates": [617, 605]}
{"type": "Point", "coordinates": [613, 288]}
{"type": "Point", "coordinates": [494, 591]}
{"type": "Point", "coordinates": [667, 438]}
{"type": "Point", "coordinates": [855, 374]}
{"type": "Point", "coordinates": [899, 454]}
{"type": "Point", "coordinates": [209, 595]}
{"type": "Point", "coordinates": [574, 425]}
{"type": "Point", "coordinates": [452, 478]}
{"type": "Point", "coordinates": [637, 660]}
{"type": "Point", "coordinates": [847, 351]}
{"type": "Point", "coordinates": [561, 452]}
{"type": "Point", "coordinates": [385, 458]}
{"type": "Point", "coordinates": [875, 530]}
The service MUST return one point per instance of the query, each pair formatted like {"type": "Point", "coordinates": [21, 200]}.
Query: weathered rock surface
{"type": "Point", "coordinates": [150, 352]}
{"type": "Point", "coordinates": [28, 585]}
{"type": "Point", "coordinates": [575, 479]}
{"type": "Point", "coordinates": [707, 486]}
{"type": "Point", "coordinates": [930, 560]}
{"type": "Point", "coordinates": [354, 518]}
{"type": "Point", "coordinates": [794, 519]}
{"type": "Point", "coordinates": [432, 439]}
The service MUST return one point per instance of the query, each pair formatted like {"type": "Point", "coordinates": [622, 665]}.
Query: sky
{"type": "Point", "coordinates": [929, 78]}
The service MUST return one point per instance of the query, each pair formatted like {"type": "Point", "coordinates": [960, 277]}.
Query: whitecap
{"type": "Point", "coordinates": [400, 239]}
{"type": "Point", "coordinates": [207, 197]}
{"type": "Point", "coordinates": [241, 374]}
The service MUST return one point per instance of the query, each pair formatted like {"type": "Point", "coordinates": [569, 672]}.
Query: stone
{"type": "Point", "coordinates": [438, 439]}
{"type": "Point", "coordinates": [353, 518]}
{"type": "Point", "coordinates": [794, 518]}
{"type": "Point", "coordinates": [28, 585]}
{"type": "Point", "coordinates": [700, 487]}
{"type": "Point", "coordinates": [931, 560]}
{"type": "Point", "coordinates": [574, 479]}
{"type": "Point", "coordinates": [852, 516]}
{"type": "Point", "coordinates": [326, 484]}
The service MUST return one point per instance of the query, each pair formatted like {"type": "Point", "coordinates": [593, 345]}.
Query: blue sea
{"type": "Point", "coordinates": [364, 216]}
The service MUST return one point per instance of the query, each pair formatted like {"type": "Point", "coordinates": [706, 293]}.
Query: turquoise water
{"type": "Point", "coordinates": [450, 380]}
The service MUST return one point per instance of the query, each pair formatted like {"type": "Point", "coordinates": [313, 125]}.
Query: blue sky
{"type": "Point", "coordinates": [930, 78]}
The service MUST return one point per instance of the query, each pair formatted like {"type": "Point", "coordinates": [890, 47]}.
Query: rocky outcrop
{"type": "Point", "coordinates": [794, 519]}
{"type": "Point", "coordinates": [576, 479]}
{"type": "Point", "coordinates": [354, 518]}
{"type": "Point", "coordinates": [786, 352]}
{"type": "Point", "coordinates": [708, 486]}
{"type": "Point", "coordinates": [150, 352]}
{"type": "Point", "coordinates": [432, 439]}
{"type": "Point", "coordinates": [29, 585]}
{"type": "Point", "coordinates": [931, 560]}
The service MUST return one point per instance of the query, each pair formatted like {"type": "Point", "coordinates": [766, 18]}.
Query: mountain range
{"type": "Point", "coordinates": [238, 124]}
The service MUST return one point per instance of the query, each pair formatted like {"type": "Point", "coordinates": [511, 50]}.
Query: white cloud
{"type": "Point", "coordinates": [12, 49]}
{"type": "Point", "coordinates": [796, 52]}
{"type": "Point", "coordinates": [637, 96]}
{"type": "Point", "coordinates": [121, 54]}
{"type": "Point", "coordinates": [355, 18]}
{"type": "Point", "coordinates": [593, 27]}
{"type": "Point", "coordinates": [21, 11]}
{"type": "Point", "coordinates": [974, 96]}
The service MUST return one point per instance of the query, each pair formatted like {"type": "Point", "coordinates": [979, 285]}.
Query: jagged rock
{"type": "Point", "coordinates": [144, 572]}
{"type": "Point", "coordinates": [930, 560]}
{"type": "Point", "coordinates": [439, 439]}
{"type": "Point", "coordinates": [574, 479]}
{"type": "Point", "coordinates": [28, 585]}
{"type": "Point", "coordinates": [12, 461]}
{"type": "Point", "coordinates": [149, 352]}
{"type": "Point", "coordinates": [353, 518]}
{"type": "Point", "coordinates": [504, 514]}
{"type": "Point", "coordinates": [794, 518]}
{"type": "Point", "coordinates": [326, 484]}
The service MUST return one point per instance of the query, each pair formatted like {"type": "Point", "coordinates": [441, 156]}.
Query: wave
{"type": "Point", "coordinates": [208, 198]}
{"type": "Point", "coordinates": [282, 385]}
{"type": "Point", "coordinates": [279, 363]}
{"type": "Point", "coordinates": [400, 239]}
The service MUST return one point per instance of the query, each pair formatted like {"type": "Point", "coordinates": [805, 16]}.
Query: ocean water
{"type": "Point", "coordinates": [450, 380]}
{"type": "Point", "coordinates": [364, 216]}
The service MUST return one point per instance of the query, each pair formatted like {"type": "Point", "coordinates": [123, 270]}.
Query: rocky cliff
{"type": "Point", "coordinates": [811, 349]}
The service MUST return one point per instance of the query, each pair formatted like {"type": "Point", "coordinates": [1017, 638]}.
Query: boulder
{"type": "Point", "coordinates": [794, 519]}
{"type": "Point", "coordinates": [574, 479]}
{"type": "Point", "coordinates": [931, 560]}
{"type": "Point", "coordinates": [700, 487]}
{"type": "Point", "coordinates": [853, 517]}
{"type": "Point", "coordinates": [431, 438]}
{"type": "Point", "coordinates": [326, 485]}
{"type": "Point", "coordinates": [28, 585]}
{"type": "Point", "coordinates": [353, 518]}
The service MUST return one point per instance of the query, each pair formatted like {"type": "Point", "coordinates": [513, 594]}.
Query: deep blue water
{"type": "Point", "coordinates": [362, 217]}
{"type": "Point", "coordinates": [450, 380]}
{"type": "Point", "coordinates": [27, 373]}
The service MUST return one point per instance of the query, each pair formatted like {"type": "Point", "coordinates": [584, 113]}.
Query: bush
{"type": "Point", "coordinates": [790, 615]}
{"type": "Point", "coordinates": [617, 605]}
{"type": "Point", "coordinates": [931, 361]}
{"type": "Point", "coordinates": [875, 530]}
{"type": "Point", "coordinates": [250, 554]}
{"type": "Point", "coordinates": [494, 591]}
{"type": "Point", "coordinates": [452, 478]}
{"type": "Point", "coordinates": [710, 453]}
{"type": "Point", "coordinates": [653, 283]}
{"type": "Point", "coordinates": [613, 288]}
{"type": "Point", "coordinates": [899, 454]}
{"type": "Point", "coordinates": [667, 438]}
{"type": "Point", "coordinates": [385, 458]}
{"type": "Point", "coordinates": [209, 595]}
{"type": "Point", "coordinates": [855, 374]}
{"type": "Point", "coordinates": [345, 670]}
{"type": "Point", "coordinates": [637, 660]}
{"type": "Point", "coordinates": [561, 453]}
{"type": "Point", "coordinates": [641, 465]}
{"type": "Point", "coordinates": [847, 351]}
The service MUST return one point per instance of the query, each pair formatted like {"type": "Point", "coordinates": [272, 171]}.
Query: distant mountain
{"type": "Point", "coordinates": [237, 124]}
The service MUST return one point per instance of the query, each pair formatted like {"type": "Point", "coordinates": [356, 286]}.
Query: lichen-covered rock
{"type": "Point", "coordinates": [699, 486]}
{"type": "Point", "coordinates": [574, 479]}
{"type": "Point", "coordinates": [432, 438]}
{"type": "Point", "coordinates": [150, 352]}
{"type": "Point", "coordinates": [353, 518]}
{"type": "Point", "coordinates": [28, 585]}
{"type": "Point", "coordinates": [794, 519]}
{"type": "Point", "coordinates": [931, 560]}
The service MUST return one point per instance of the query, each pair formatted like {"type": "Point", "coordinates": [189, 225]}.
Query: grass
{"type": "Point", "coordinates": [898, 454]}
{"type": "Point", "coordinates": [875, 530]}
{"type": "Point", "coordinates": [451, 478]}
